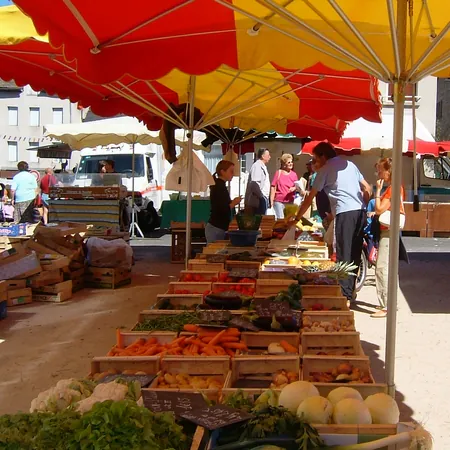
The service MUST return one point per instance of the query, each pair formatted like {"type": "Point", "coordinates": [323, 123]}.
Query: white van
{"type": "Point", "coordinates": [148, 169]}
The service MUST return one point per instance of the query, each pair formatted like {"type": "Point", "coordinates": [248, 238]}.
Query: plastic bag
{"type": "Point", "coordinates": [103, 253]}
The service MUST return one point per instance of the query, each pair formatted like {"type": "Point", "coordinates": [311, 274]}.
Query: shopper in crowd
{"type": "Point", "coordinates": [221, 203]}
{"type": "Point", "coordinates": [24, 190]}
{"type": "Point", "coordinates": [309, 172]}
{"type": "Point", "coordinates": [348, 192]}
{"type": "Point", "coordinates": [258, 185]}
{"type": "Point", "coordinates": [283, 188]}
{"type": "Point", "coordinates": [382, 204]}
{"type": "Point", "coordinates": [48, 180]}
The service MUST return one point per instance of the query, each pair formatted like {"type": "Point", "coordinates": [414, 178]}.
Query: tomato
{"type": "Point", "coordinates": [205, 293]}
{"type": "Point", "coordinates": [188, 277]}
{"type": "Point", "coordinates": [177, 291]}
{"type": "Point", "coordinates": [229, 280]}
{"type": "Point", "coordinates": [198, 277]}
{"type": "Point", "coordinates": [214, 279]}
{"type": "Point", "coordinates": [238, 288]}
{"type": "Point", "coordinates": [223, 276]}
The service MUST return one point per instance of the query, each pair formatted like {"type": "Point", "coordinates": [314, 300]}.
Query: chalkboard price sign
{"type": "Point", "coordinates": [267, 308]}
{"type": "Point", "coordinates": [178, 402]}
{"type": "Point", "coordinates": [214, 417]}
{"type": "Point", "coordinates": [214, 315]}
{"type": "Point", "coordinates": [145, 380]}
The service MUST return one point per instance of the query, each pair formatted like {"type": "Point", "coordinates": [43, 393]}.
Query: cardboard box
{"type": "Point", "coordinates": [107, 278]}
{"type": "Point", "coordinates": [19, 297]}
{"type": "Point", "coordinates": [53, 298]}
{"type": "Point", "coordinates": [24, 267]}
{"type": "Point", "coordinates": [46, 278]}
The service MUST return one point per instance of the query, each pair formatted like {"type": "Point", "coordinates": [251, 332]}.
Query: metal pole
{"type": "Point", "coordinates": [133, 233]}
{"type": "Point", "coordinates": [189, 169]}
{"type": "Point", "coordinates": [416, 206]}
{"type": "Point", "coordinates": [240, 168]}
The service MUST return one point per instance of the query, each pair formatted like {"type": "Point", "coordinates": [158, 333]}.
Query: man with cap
{"type": "Point", "coordinates": [24, 190]}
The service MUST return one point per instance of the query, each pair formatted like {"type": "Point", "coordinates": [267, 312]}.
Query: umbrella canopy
{"type": "Point", "coordinates": [116, 130]}
{"type": "Point", "coordinates": [362, 135]}
{"type": "Point", "coordinates": [243, 34]}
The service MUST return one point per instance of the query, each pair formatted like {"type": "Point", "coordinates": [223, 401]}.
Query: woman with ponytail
{"type": "Point", "coordinates": [221, 203]}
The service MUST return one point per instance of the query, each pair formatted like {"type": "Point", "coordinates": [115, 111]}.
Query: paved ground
{"type": "Point", "coordinates": [41, 343]}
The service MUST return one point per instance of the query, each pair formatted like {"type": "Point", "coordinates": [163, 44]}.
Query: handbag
{"type": "Point", "coordinates": [385, 219]}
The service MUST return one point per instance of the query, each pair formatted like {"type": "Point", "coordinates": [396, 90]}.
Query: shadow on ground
{"type": "Point", "coordinates": [418, 295]}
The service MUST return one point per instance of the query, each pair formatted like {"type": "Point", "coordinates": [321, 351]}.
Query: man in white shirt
{"type": "Point", "coordinates": [349, 194]}
{"type": "Point", "coordinates": [258, 185]}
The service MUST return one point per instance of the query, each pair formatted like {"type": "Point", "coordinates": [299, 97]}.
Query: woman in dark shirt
{"type": "Point", "coordinates": [221, 203]}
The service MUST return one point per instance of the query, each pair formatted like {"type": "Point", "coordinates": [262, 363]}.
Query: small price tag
{"type": "Point", "coordinates": [268, 308]}
{"type": "Point", "coordinates": [214, 417]}
{"type": "Point", "coordinates": [178, 402]}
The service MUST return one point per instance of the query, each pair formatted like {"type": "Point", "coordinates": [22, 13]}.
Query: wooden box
{"type": "Point", "coordinates": [19, 297]}
{"type": "Point", "coordinates": [327, 363]}
{"type": "Point", "coordinates": [107, 278]}
{"type": "Point", "coordinates": [258, 369]}
{"type": "Point", "coordinates": [342, 344]}
{"type": "Point", "coordinates": [333, 290]}
{"type": "Point", "coordinates": [164, 337]}
{"type": "Point", "coordinates": [191, 287]}
{"type": "Point", "coordinates": [270, 274]}
{"type": "Point", "coordinates": [147, 364]}
{"type": "Point", "coordinates": [242, 265]}
{"type": "Point", "coordinates": [217, 366]}
{"type": "Point", "coordinates": [184, 300]}
{"type": "Point", "coordinates": [258, 343]}
{"type": "Point", "coordinates": [329, 303]}
{"type": "Point", "coordinates": [207, 275]}
{"type": "Point", "coordinates": [328, 316]}
{"type": "Point", "coordinates": [202, 265]}
{"type": "Point", "coordinates": [272, 287]}
{"type": "Point", "coordinates": [217, 287]}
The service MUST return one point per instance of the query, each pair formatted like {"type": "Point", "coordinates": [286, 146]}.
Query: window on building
{"type": "Point", "coordinates": [410, 91]}
{"type": "Point", "coordinates": [33, 153]}
{"type": "Point", "coordinates": [35, 117]}
{"type": "Point", "coordinates": [244, 163]}
{"type": "Point", "coordinates": [439, 110]}
{"type": "Point", "coordinates": [437, 168]}
{"type": "Point", "coordinates": [13, 151]}
{"type": "Point", "coordinates": [57, 116]}
{"type": "Point", "coordinates": [13, 116]}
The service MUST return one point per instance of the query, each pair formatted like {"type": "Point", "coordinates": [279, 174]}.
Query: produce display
{"type": "Point", "coordinates": [280, 348]}
{"type": "Point", "coordinates": [282, 378]}
{"type": "Point", "coordinates": [101, 375]}
{"type": "Point", "coordinates": [343, 373]}
{"type": "Point", "coordinates": [168, 323]}
{"type": "Point", "coordinates": [167, 380]}
{"type": "Point", "coordinates": [331, 326]}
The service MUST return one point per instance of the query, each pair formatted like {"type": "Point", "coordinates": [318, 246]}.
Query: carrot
{"type": "Point", "coordinates": [228, 339]}
{"type": "Point", "coordinates": [190, 328]}
{"type": "Point", "coordinates": [177, 342]}
{"type": "Point", "coordinates": [190, 339]}
{"type": "Point", "coordinates": [236, 345]}
{"type": "Point", "coordinates": [216, 338]}
{"type": "Point", "coordinates": [199, 343]}
{"type": "Point", "coordinates": [186, 352]}
{"type": "Point", "coordinates": [110, 353]}
{"type": "Point", "coordinates": [219, 350]}
{"type": "Point", "coordinates": [151, 341]}
{"type": "Point", "coordinates": [194, 349]}
{"type": "Point", "coordinates": [202, 332]}
{"type": "Point", "coordinates": [233, 332]}
{"type": "Point", "coordinates": [207, 340]}
{"type": "Point", "coordinates": [209, 351]}
{"type": "Point", "coordinates": [229, 352]}
{"type": "Point", "coordinates": [119, 338]}
{"type": "Point", "coordinates": [288, 347]}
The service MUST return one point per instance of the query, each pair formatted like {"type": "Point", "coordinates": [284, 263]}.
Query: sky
{"type": "Point", "coordinates": [5, 2]}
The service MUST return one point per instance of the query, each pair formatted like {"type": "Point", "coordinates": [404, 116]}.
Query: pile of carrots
{"type": "Point", "coordinates": [205, 342]}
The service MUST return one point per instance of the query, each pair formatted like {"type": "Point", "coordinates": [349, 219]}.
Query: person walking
{"type": "Point", "coordinates": [383, 204]}
{"type": "Point", "coordinates": [24, 190]}
{"type": "Point", "coordinates": [258, 185]}
{"type": "Point", "coordinates": [348, 193]}
{"type": "Point", "coordinates": [221, 203]}
{"type": "Point", "coordinates": [48, 180]}
{"type": "Point", "coordinates": [283, 188]}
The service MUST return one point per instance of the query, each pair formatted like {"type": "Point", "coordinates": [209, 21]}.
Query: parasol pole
{"type": "Point", "coordinates": [190, 146]}
{"type": "Point", "coordinates": [416, 206]}
{"type": "Point", "coordinates": [399, 36]}
{"type": "Point", "coordinates": [133, 224]}
{"type": "Point", "coordinates": [240, 168]}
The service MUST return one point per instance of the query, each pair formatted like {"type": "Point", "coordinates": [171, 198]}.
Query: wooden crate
{"type": "Point", "coordinates": [19, 297]}
{"type": "Point", "coordinates": [229, 286]}
{"type": "Point", "coordinates": [180, 299]}
{"type": "Point", "coordinates": [207, 275]}
{"type": "Point", "coordinates": [258, 343]}
{"type": "Point", "coordinates": [342, 344]}
{"type": "Point", "coordinates": [192, 287]}
{"type": "Point", "coordinates": [259, 368]}
{"type": "Point", "coordinates": [337, 303]}
{"type": "Point", "coordinates": [147, 364]}
{"type": "Point", "coordinates": [272, 287]}
{"type": "Point", "coordinates": [217, 366]}
{"type": "Point", "coordinates": [327, 363]}
{"type": "Point", "coordinates": [332, 290]}
{"type": "Point", "coordinates": [202, 265]}
{"type": "Point", "coordinates": [148, 314]}
{"type": "Point", "coordinates": [107, 278]}
{"type": "Point", "coordinates": [328, 316]}
{"type": "Point", "coordinates": [242, 265]}
{"type": "Point", "coordinates": [164, 337]}
{"type": "Point", "coordinates": [277, 274]}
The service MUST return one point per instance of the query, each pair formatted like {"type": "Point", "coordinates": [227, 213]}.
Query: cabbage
{"type": "Point", "coordinates": [315, 410]}
{"type": "Point", "coordinates": [293, 394]}
{"type": "Point", "coordinates": [351, 411]}
{"type": "Point", "coordinates": [341, 393]}
{"type": "Point", "coordinates": [383, 409]}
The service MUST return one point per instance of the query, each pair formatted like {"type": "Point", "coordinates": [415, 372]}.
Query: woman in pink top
{"type": "Point", "coordinates": [282, 191]}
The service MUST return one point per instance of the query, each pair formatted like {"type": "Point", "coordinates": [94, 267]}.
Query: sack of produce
{"type": "Point", "coordinates": [111, 254]}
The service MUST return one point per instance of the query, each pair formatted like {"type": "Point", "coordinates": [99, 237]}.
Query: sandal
{"type": "Point", "coordinates": [379, 314]}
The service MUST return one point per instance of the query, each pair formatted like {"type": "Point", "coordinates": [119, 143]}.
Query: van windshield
{"type": "Point", "coordinates": [90, 164]}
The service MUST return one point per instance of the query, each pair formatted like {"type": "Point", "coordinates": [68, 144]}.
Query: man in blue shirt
{"type": "Point", "coordinates": [348, 192]}
{"type": "Point", "coordinates": [24, 190]}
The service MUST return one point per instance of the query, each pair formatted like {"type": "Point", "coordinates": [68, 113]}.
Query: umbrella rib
{"type": "Point", "coordinates": [87, 29]}
{"type": "Point", "coordinates": [351, 61]}
{"type": "Point", "coordinates": [441, 64]}
{"type": "Point", "coordinates": [282, 12]}
{"type": "Point", "coordinates": [395, 47]}
{"type": "Point", "coordinates": [359, 36]}
{"type": "Point", "coordinates": [110, 42]}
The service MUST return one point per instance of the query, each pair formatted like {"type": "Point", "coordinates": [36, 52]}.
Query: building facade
{"type": "Point", "coordinates": [443, 110]}
{"type": "Point", "coordinates": [23, 115]}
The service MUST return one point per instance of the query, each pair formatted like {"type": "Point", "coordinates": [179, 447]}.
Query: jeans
{"type": "Point", "coordinates": [278, 207]}
{"type": "Point", "coordinates": [214, 234]}
{"type": "Point", "coordinates": [349, 234]}
{"type": "Point", "coordinates": [45, 198]}
{"type": "Point", "coordinates": [262, 207]}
